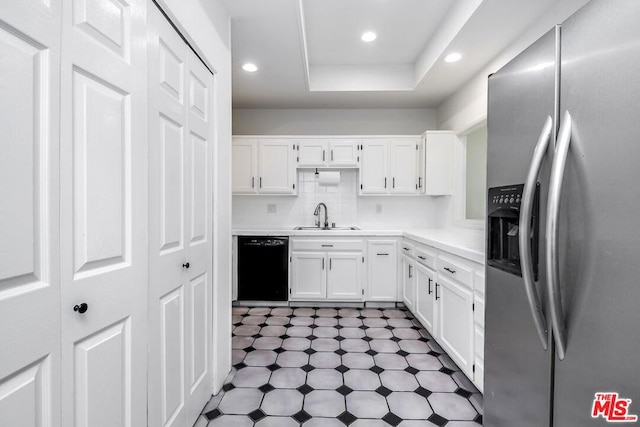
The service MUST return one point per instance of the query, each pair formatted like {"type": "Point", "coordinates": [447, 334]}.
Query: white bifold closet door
{"type": "Point", "coordinates": [103, 223]}
{"type": "Point", "coordinates": [29, 213]}
{"type": "Point", "coordinates": [180, 196]}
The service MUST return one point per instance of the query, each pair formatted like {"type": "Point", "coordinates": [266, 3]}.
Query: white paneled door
{"type": "Point", "coordinates": [29, 203]}
{"type": "Point", "coordinates": [180, 196]}
{"type": "Point", "coordinates": [103, 190]}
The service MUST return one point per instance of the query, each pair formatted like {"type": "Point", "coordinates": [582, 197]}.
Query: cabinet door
{"type": "Point", "coordinates": [373, 167]}
{"type": "Point", "coordinates": [426, 307]}
{"type": "Point", "coordinates": [439, 163]}
{"type": "Point", "coordinates": [421, 165]}
{"type": "Point", "coordinates": [404, 167]}
{"type": "Point", "coordinates": [244, 166]}
{"type": "Point", "coordinates": [308, 275]}
{"type": "Point", "coordinates": [312, 153]}
{"type": "Point", "coordinates": [382, 278]}
{"type": "Point", "coordinates": [456, 323]}
{"type": "Point", "coordinates": [343, 153]}
{"type": "Point", "coordinates": [276, 167]}
{"type": "Point", "coordinates": [344, 277]}
{"type": "Point", "coordinates": [408, 283]}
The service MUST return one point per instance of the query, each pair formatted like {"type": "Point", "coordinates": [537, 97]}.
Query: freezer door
{"type": "Point", "coordinates": [599, 226]}
{"type": "Point", "coordinates": [517, 368]}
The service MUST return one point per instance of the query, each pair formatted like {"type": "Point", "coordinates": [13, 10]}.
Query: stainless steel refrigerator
{"type": "Point", "coordinates": [563, 251]}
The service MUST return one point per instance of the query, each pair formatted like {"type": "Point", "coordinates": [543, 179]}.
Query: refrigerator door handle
{"type": "Point", "coordinates": [553, 208]}
{"type": "Point", "coordinates": [525, 232]}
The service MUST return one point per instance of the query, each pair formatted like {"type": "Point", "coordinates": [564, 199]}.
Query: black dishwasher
{"type": "Point", "coordinates": [263, 268]}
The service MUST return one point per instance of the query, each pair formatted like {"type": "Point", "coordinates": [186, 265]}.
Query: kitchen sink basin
{"type": "Point", "coordinates": [326, 229]}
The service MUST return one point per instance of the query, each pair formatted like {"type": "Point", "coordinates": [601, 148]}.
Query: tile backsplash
{"type": "Point", "coordinates": [345, 207]}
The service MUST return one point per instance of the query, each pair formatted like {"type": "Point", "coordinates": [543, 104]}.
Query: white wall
{"type": "Point", "coordinates": [476, 175]}
{"type": "Point", "coordinates": [468, 106]}
{"type": "Point", "coordinates": [205, 23]}
{"type": "Point", "coordinates": [344, 206]}
{"type": "Point", "coordinates": [312, 121]}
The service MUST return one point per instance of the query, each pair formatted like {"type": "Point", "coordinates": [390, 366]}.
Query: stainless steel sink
{"type": "Point", "coordinates": [326, 229]}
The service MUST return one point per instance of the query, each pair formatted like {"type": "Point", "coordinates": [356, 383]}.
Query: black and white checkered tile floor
{"type": "Point", "coordinates": [339, 367]}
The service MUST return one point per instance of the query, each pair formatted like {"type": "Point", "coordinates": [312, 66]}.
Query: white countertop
{"type": "Point", "coordinates": [465, 242]}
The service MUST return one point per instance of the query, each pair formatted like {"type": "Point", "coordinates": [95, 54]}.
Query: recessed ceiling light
{"type": "Point", "coordinates": [249, 67]}
{"type": "Point", "coordinates": [369, 36]}
{"type": "Point", "coordinates": [453, 57]}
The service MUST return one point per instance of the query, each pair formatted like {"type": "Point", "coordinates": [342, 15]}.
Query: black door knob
{"type": "Point", "coordinates": [185, 265]}
{"type": "Point", "coordinates": [81, 308]}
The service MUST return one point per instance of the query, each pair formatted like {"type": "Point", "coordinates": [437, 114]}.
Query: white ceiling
{"type": "Point", "coordinates": [310, 55]}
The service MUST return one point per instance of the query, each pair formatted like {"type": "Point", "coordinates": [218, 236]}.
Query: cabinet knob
{"type": "Point", "coordinates": [81, 308]}
{"type": "Point", "coordinates": [185, 265]}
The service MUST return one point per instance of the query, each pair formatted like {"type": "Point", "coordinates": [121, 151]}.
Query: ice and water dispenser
{"type": "Point", "coordinates": [503, 222]}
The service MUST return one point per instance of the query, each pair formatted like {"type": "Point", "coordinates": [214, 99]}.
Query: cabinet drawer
{"type": "Point", "coordinates": [407, 249]}
{"type": "Point", "coordinates": [326, 245]}
{"type": "Point", "coordinates": [478, 313]}
{"type": "Point", "coordinates": [426, 258]}
{"type": "Point", "coordinates": [450, 268]}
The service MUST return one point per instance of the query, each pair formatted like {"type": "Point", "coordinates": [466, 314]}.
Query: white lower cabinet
{"type": "Point", "coordinates": [446, 294]}
{"type": "Point", "coordinates": [478, 320]}
{"type": "Point", "coordinates": [382, 270]}
{"type": "Point", "coordinates": [308, 276]}
{"type": "Point", "coordinates": [425, 301]}
{"type": "Point", "coordinates": [455, 322]}
{"type": "Point", "coordinates": [344, 277]}
{"type": "Point", "coordinates": [408, 283]}
{"type": "Point", "coordinates": [326, 270]}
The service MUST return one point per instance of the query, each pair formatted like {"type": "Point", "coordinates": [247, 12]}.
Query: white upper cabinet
{"type": "Point", "coordinates": [276, 167]}
{"type": "Point", "coordinates": [336, 153]}
{"type": "Point", "coordinates": [390, 166]}
{"type": "Point", "coordinates": [263, 166]}
{"type": "Point", "coordinates": [438, 147]}
{"type": "Point", "coordinates": [312, 153]}
{"type": "Point", "coordinates": [404, 166]}
{"type": "Point", "coordinates": [244, 166]}
{"type": "Point", "coordinates": [373, 167]}
{"type": "Point", "coordinates": [343, 153]}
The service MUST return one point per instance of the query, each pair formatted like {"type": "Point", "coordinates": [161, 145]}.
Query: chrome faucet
{"type": "Point", "coordinates": [326, 215]}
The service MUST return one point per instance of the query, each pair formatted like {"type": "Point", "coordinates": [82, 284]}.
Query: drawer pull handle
{"type": "Point", "coordinates": [382, 254]}
{"type": "Point", "coordinates": [450, 270]}
{"type": "Point", "coordinates": [406, 249]}
{"type": "Point", "coordinates": [437, 297]}
{"type": "Point", "coordinates": [430, 285]}
{"type": "Point", "coordinates": [421, 257]}
{"type": "Point", "coordinates": [327, 246]}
